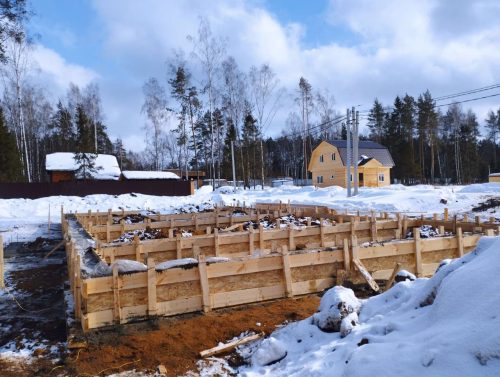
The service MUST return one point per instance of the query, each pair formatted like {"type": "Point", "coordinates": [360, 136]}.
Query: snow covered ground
{"type": "Point", "coordinates": [448, 325]}
{"type": "Point", "coordinates": [24, 219]}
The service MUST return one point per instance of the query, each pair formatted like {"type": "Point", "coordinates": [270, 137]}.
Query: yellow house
{"type": "Point", "coordinates": [494, 177]}
{"type": "Point", "coordinates": [328, 164]}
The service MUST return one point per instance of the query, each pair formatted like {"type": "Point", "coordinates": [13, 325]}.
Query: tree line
{"type": "Point", "coordinates": [205, 102]}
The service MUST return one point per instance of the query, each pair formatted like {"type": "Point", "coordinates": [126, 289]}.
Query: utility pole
{"type": "Point", "coordinates": [349, 154]}
{"type": "Point", "coordinates": [355, 142]}
{"type": "Point", "coordinates": [234, 168]}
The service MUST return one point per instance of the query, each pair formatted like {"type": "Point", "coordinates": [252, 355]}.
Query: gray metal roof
{"type": "Point", "coordinates": [370, 149]}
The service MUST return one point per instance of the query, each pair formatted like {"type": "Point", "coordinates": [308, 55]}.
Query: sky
{"type": "Point", "coordinates": [358, 50]}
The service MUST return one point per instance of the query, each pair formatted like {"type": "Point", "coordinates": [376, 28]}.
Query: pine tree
{"type": "Point", "coordinates": [10, 160]}
{"type": "Point", "coordinates": [250, 136]}
{"type": "Point", "coordinates": [376, 121]}
{"type": "Point", "coordinates": [493, 132]}
{"type": "Point", "coordinates": [84, 134]}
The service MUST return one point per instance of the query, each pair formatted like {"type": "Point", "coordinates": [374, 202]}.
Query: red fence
{"type": "Point", "coordinates": [83, 188]}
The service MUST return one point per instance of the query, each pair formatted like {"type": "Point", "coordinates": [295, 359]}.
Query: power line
{"type": "Point", "coordinates": [467, 92]}
{"type": "Point", "coordinates": [467, 100]}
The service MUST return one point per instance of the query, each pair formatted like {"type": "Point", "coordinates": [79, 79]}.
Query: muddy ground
{"type": "Point", "coordinates": [33, 329]}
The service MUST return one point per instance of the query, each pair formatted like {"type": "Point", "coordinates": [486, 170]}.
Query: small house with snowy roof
{"type": "Point", "coordinates": [328, 164]}
{"type": "Point", "coordinates": [62, 166]}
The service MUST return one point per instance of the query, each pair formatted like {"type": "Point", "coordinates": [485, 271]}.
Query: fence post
{"type": "Point", "coordinates": [287, 272]}
{"type": "Point", "coordinates": [205, 288]}
{"type": "Point", "coordinates": [460, 242]}
{"type": "Point", "coordinates": [291, 240]}
{"type": "Point", "coordinates": [152, 306]}
{"type": "Point", "coordinates": [321, 232]}
{"type": "Point", "coordinates": [178, 245]}
{"type": "Point", "coordinates": [418, 252]}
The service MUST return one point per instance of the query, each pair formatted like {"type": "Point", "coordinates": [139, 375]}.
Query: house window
{"type": "Point", "coordinates": [332, 177]}
{"type": "Point", "coordinates": [333, 156]}
{"type": "Point", "coordinates": [321, 158]}
{"type": "Point", "coordinates": [319, 179]}
{"type": "Point", "coordinates": [381, 177]}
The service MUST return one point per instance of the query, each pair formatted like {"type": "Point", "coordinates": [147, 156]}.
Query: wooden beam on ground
{"type": "Point", "coordinates": [60, 244]}
{"type": "Point", "coordinates": [230, 346]}
{"type": "Point", "coordinates": [366, 275]}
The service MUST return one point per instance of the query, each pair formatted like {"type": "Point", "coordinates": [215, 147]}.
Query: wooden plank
{"type": "Point", "coordinates": [180, 306]}
{"type": "Point", "coordinates": [178, 245]}
{"type": "Point", "coordinates": [261, 237]}
{"type": "Point", "coordinates": [287, 272]}
{"type": "Point", "coordinates": [226, 347]}
{"type": "Point", "coordinates": [117, 314]}
{"type": "Point", "coordinates": [460, 242]}
{"type": "Point", "coordinates": [216, 242]}
{"type": "Point", "coordinates": [366, 275]}
{"type": "Point", "coordinates": [390, 282]}
{"type": "Point", "coordinates": [152, 308]}
{"type": "Point", "coordinates": [418, 252]}
{"type": "Point", "coordinates": [347, 258]}
{"type": "Point", "coordinates": [251, 240]}
{"type": "Point", "coordinates": [245, 296]}
{"type": "Point", "coordinates": [321, 232]}
{"type": "Point", "coordinates": [247, 266]}
{"type": "Point", "coordinates": [314, 258]}
{"type": "Point", "coordinates": [312, 286]}
{"type": "Point", "coordinates": [205, 288]}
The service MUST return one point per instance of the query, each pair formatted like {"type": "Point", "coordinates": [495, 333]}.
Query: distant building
{"type": "Point", "coordinates": [329, 159]}
{"type": "Point", "coordinates": [61, 166]}
{"type": "Point", "coordinates": [494, 177]}
{"type": "Point", "coordinates": [191, 175]}
{"type": "Point", "coordinates": [130, 175]}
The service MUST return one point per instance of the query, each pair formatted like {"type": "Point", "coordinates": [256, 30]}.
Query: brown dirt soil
{"type": "Point", "coordinates": [176, 342]}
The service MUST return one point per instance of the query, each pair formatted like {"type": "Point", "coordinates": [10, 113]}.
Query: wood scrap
{"type": "Point", "coordinates": [226, 347]}
{"type": "Point", "coordinates": [366, 275]}
{"type": "Point", "coordinates": [60, 244]}
{"type": "Point", "coordinates": [390, 282]}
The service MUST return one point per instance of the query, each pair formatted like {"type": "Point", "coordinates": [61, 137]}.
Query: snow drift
{"type": "Point", "coordinates": [448, 325]}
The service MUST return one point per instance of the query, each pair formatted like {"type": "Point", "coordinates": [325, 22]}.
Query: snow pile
{"type": "Point", "coordinates": [270, 351]}
{"type": "Point", "coordinates": [127, 266]}
{"type": "Point", "coordinates": [184, 262]}
{"type": "Point", "coordinates": [338, 311]}
{"type": "Point", "coordinates": [446, 326]}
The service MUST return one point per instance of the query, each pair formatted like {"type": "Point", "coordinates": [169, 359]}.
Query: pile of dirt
{"type": "Point", "coordinates": [143, 234]}
{"type": "Point", "coordinates": [130, 219]}
{"type": "Point", "coordinates": [269, 222]}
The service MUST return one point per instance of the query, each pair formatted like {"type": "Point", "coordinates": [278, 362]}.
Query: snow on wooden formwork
{"type": "Point", "coordinates": [267, 265]}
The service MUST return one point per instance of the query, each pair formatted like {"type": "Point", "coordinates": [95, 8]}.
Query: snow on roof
{"type": "Point", "coordinates": [138, 174]}
{"type": "Point", "coordinates": [106, 164]}
{"type": "Point", "coordinates": [495, 175]}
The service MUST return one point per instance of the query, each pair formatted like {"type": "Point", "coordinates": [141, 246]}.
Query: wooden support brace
{"type": "Point", "coordinates": [224, 348]}
{"type": "Point", "coordinates": [366, 275]}
{"type": "Point", "coordinates": [152, 304]}
{"type": "Point", "coordinates": [117, 310]}
{"type": "Point", "coordinates": [291, 239]}
{"type": "Point", "coordinates": [287, 272]}
{"type": "Point", "coordinates": [418, 252]}
{"type": "Point", "coordinates": [347, 258]}
{"type": "Point", "coordinates": [321, 232]}
{"type": "Point", "coordinates": [251, 240]}
{"type": "Point", "coordinates": [216, 241]}
{"type": "Point", "coordinates": [205, 288]}
{"type": "Point", "coordinates": [460, 242]}
{"type": "Point", "coordinates": [395, 271]}
{"type": "Point", "coordinates": [178, 245]}
{"type": "Point", "coordinates": [261, 237]}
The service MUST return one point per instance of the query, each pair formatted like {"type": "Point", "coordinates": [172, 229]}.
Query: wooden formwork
{"type": "Point", "coordinates": [290, 262]}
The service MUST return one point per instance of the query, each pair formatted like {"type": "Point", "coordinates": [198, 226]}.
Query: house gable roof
{"type": "Point", "coordinates": [366, 148]}
{"type": "Point", "coordinates": [106, 164]}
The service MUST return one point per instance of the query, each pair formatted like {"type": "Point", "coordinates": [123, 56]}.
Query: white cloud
{"type": "Point", "coordinates": [55, 72]}
{"type": "Point", "coordinates": [398, 47]}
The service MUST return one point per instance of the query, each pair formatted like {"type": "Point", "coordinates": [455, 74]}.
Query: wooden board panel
{"type": "Point", "coordinates": [238, 282]}
{"type": "Point", "coordinates": [312, 286]}
{"type": "Point", "coordinates": [225, 299]}
{"type": "Point", "coordinates": [247, 266]}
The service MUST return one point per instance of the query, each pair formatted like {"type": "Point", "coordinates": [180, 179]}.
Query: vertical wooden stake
{"type": "Point", "coordinates": [466, 218]}
{"type": "Point", "coordinates": [216, 241]}
{"type": "Point", "coordinates": [138, 248]}
{"type": "Point", "coordinates": [321, 232]}
{"type": "Point", "coordinates": [291, 240]}
{"type": "Point", "coordinates": [195, 222]}
{"type": "Point", "coordinates": [152, 305]}
{"type": "Point", "coordinates": [2, 268]}
{"type": "Point", "coordinates": [347, 258]}
{"type": "Point", "coordinates": [399, 232]}
{"type": "Point", "coordinates": [78, 291]}
{"type": "Point", "coordinates": [178, 245]}
{"type": "Point", "coordinates": [405, 227]}
{"type": "Point", "coordinates": [170, 233]}
{"type": "Point", "coordinates": [261, 237]}
{"type": "Point", "coordinates": [287, 271]}
{"type": "Point", "coordinates": [441, 230]}
{"type": "Point", "coordinates": [418, 252]}
{"type": "Point", "coordinates": [108, 233]}
{"type": "Point", "coordinates": [205, 288]}
{"type": "Point", "coordinates": [460, 242]}
{"type": "Point", "coordinates": [354, 247]}
{"type": "Point", "coordinates": [445, 215]}
{"type": "Point", "coordinates": [122, 223]}
{"type": "Point", "coordinates": [208, 229]}
{"type": "Point", "coordinates": [251, 240]}
{"type": "Point", "coordinates": [117, 310]}
{"type": "Point", "coordinates": [373, 228]}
